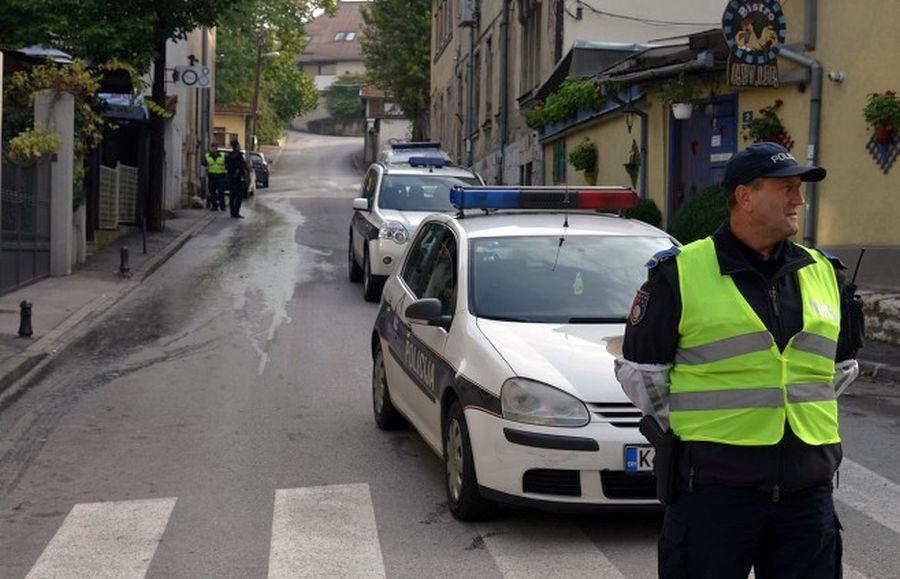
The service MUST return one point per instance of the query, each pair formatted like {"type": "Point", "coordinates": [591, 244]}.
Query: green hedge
{"type": "Point", "coordinates": [700, 216]}
{"type": "Point", "coordinates": [646, 211]}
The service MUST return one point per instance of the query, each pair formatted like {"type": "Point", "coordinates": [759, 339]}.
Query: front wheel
{"type": "Point", "coordinates": [466, 502]}
{"type": "Point", "coordinates": [371, 283]}
{"type": "Point", "coordinates": [354, 271]}
{"type": "Point", "coordinates": [387, 417]}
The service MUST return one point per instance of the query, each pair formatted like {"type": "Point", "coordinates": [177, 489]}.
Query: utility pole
{"type": "Point", "coordinates": [251, 146]}
{"type": "Point", "coordinates": [260, 42]}
{"type": "Point", "coordinates": [467, 20]}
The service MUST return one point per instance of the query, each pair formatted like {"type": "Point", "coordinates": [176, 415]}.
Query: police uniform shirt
{"type": "Point", "coordinates": [772, 289]}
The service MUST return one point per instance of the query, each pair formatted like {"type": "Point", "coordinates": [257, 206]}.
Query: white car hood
{"type": "Point", "coordinates": [576, 358]}
{"type": "Point", "coordinates": [409, 219]}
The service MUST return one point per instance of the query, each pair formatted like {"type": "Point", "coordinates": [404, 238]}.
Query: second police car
{"type": "Point", "coordinates": [408, 182]}
{"type": "Point", "coordinates": [497, 337]}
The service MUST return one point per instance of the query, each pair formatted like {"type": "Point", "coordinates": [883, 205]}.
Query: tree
{"type": "Point", "coordinates": [396, 43]}
{"type": "Point", "coordinates": [285, 91]}
{"type": "Point", "coordinates": [342, 97]}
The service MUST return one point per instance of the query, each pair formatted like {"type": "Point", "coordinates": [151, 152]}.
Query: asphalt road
{"type": "Point", "coordinates": [217, 423]}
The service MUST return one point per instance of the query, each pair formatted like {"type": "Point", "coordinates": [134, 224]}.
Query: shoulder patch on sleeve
{"type": "Point", "coordinates": [638, 307]}
{"type": "Point", "coordinates": [835, 260]}
{"type": "Point", "coordinates": [662, 256]}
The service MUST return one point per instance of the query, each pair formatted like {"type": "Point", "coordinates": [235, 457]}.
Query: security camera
{"type": "Point", "coordinates": [836, 76]}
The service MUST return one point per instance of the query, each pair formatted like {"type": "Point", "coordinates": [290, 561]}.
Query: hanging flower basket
{"type": "Point", "coordinates": [682, 111]}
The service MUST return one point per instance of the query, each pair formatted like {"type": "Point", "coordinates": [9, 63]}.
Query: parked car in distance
{"type": "Point", "coordinates": [260, 167]}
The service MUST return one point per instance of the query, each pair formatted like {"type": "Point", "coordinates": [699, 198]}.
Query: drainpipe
{"type": "Point", "coordinates": [812, 149]}
{"type": "Point", "coordinates": [470, 95]}
{"type": "Point", "coordinates": [504, 89]}
{"type": "Point", "coordinates": [810, 215]}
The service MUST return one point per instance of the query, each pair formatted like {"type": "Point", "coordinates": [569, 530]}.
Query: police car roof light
{"type": "Point", "coordinates": [416, 145]}
{"type": "Point", "coordinates": [424, 161]}
{"type": "Point", "coordinates": [596, 198]}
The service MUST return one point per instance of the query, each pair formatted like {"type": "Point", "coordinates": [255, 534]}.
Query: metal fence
{"type": "Point", "coordinates": [25, 220]}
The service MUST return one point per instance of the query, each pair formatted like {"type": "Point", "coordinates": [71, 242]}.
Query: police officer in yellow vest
{"type": "Point", "coordinates": [740, 344]}
{"type": "Point", "coordinates": [216, 174]}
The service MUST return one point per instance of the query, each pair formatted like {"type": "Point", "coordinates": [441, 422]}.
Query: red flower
{"type": "Point", "coordinates": [890, 93]}
{"type": "Point", "coordinates": [778, 102]}
{"type": "Point", "coordinates": [762, 111]}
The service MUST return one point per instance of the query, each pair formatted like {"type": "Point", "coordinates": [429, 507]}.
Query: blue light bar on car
{"type": "Point", "coordinates": [597, 198]}
{"type": "Point", "coordinates": [427, 161]}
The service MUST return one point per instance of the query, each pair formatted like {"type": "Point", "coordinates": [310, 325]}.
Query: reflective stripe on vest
{"type": "Point", "coordinates": [215, 165]}
{"type": "Point", "coordinates": [730, 383]}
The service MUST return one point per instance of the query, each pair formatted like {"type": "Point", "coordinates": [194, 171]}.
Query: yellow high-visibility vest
{"type": "Point", "coordinates": [215, 165]}
{"type": "Point", "coordinates": [730, 383]}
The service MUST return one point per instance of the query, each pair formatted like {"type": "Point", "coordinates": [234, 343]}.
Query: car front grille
{"type": "Point", "coordinates": [618, 414]}
{"type": "Point", "coordinates": [566, 483]}
{"type": "Point", "coordinates": [618, 484]}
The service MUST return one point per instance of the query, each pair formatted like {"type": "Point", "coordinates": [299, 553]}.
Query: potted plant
{"type": "Point", "coordinates": [882, 113]}
{"type": "Point", "coordinates": [584, 158]}
{"type": "Point", "coordinates": [767, 127]}
{"type": "Point", "coordinates": [679, 92]}
{"type": "Point", "coordinates": [633, 166]}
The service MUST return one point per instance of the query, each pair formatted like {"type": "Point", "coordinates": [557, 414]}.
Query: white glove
{"type": "Point", "coordinates": [647, 386]}
{"type": "Point", "coordinates": [844, 374]}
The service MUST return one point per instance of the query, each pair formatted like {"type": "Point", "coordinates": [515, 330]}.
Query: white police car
{"type": "Point", "coordinates": [407, 183]}
{"type": "Point", "coordinates": [496, 339]}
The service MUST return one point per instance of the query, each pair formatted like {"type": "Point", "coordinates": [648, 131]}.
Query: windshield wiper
{"type": "Point", "coordinates": [508, 319]}
{"type": "Point", "coordinates": [586, 320]}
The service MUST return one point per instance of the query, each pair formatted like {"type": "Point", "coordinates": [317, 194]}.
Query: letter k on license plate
{"type": "Point", "coordinates": [639, 457]}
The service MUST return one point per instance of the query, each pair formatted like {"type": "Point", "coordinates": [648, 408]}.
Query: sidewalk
{"type": "Point", "coordinates": [61, 303]}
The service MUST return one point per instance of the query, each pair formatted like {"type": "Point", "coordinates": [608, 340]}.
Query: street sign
{"type": "Point", "coordinates": [192, 76]}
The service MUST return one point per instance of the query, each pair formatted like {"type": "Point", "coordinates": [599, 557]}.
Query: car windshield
{"type": "Point", "coordinates": [554, 279]}
{"type": "Point", "coordinates": [425, 192]}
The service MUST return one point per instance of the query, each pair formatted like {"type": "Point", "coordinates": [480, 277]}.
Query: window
{"type": "Point", "coordinates": [368, 187]}
{"type": "Point", "coordinates": [488, 80]}
{"type": "Point", "coordinates": [429, 193]}
{"type": "Point", "coordinates": [476, 98]}
{"type": "Point", "coordinates": [531, 43]}
{"type": "Point", "coordinates": [339, 36]}
{"type": "Point", "coordinates": [577, 278]}
{"type": "Point", "coordinates": [559, 161]}
{"type": "Point", "coordinates": [430, 271]}
{"type": "Point", "coordinates": [415, 271]}
{"type": "Point", "coordinates": [219, 136]}
{"type": "Point", "coordinates": [350, 36]}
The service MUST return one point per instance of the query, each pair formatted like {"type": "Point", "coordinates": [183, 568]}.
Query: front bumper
{"type": "Point", "coordinates": [381, 250]}
{"type": "Point", "coordinates": [517, 462]}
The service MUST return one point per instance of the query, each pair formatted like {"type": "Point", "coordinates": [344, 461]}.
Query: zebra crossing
{"type": "Point", "coordinates": [332, 531]}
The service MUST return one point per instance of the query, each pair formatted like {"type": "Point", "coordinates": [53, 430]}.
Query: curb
{"type": "Point", "coordinates": [56, 340]}
{"type": "Point", "coordinates": [879, 370]}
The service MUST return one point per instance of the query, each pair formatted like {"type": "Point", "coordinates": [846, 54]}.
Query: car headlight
{"type": "Point", "coordinates": [393, 230]}
{"type": "Point", "coordinates": [531, 402]}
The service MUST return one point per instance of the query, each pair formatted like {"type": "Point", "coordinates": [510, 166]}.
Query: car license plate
{"type": "Point", "coordinates": [639, 457]}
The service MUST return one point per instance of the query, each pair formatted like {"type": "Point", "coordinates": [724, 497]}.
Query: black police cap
{"type": "Point", "coordinates": [767, 160]}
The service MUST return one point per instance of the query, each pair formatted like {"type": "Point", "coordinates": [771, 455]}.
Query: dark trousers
{"type": "Point", "coordinates": [719, 532]}
{"type": "Point", "coordinates": [237, 191]}
{"type": "Point", "coordinates": [216, 197]}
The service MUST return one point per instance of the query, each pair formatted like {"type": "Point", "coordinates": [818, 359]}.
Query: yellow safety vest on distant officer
{"type": "Point", "coordinates": [730, 384]}
{"type": "Point", "coordinates": [215, 165]}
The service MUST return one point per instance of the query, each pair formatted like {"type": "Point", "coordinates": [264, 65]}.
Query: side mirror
{"type": "Point", "coordinates": [428, 312]}
{"type": "Point", "coordinates": [360, 204]}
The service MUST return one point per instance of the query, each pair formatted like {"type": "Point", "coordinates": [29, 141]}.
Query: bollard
{"type": "Point", "coordinates": [25, 319]}
{"type": "Point", "coordinates": [124, 268]}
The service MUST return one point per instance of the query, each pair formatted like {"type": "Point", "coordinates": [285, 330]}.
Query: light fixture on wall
{"type": "Point", "coordinates": [579, 10]}
{"type": "Point", "coordinates": [629, 121]}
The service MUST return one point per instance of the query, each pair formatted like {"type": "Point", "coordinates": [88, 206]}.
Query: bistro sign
{"type": "Point", "coordinates": [754, 31]}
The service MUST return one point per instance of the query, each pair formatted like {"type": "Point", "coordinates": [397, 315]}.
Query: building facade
{"type": "Point", "coordinates": [827, 60]}
{"type": "Point", "coordinates": [332, 50]}
{"type": "Point", "coordinates": [515, 46]}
